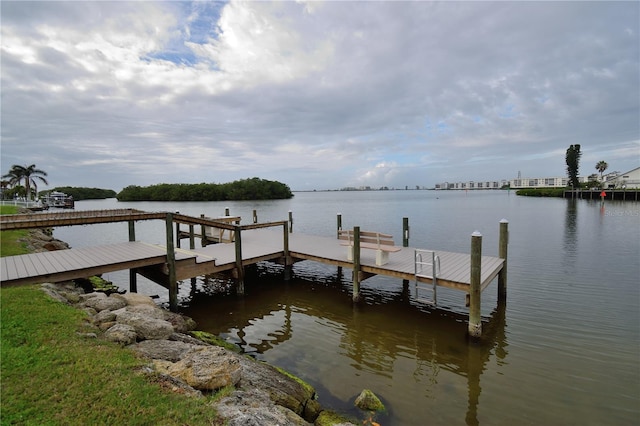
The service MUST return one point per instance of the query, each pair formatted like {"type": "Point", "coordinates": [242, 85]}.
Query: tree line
{"type": "Point", "coordinates": [244, 189]}
{"type": "Point", "coordinates": [81, 193]}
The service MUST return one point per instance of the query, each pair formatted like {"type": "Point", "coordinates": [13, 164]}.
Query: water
{"type": "Point", "coordinates": [565, 350]}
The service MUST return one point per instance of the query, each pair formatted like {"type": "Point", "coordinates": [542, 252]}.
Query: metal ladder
{"type": "Point", "coordinates": [427, 265]}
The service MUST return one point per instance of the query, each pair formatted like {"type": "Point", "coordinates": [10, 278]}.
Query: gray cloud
{"type": "Point", "coordinates": [317, 95]}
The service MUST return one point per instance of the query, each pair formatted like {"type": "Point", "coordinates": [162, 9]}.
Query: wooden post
{"type": "Point", "coordinates": [405, 232]}
{"type": "Point", "coordinates": [203, 234]}
{"type": "Point", "coordinates": [239, 267]}
{"type": "Point", "coordinates": [338, 229]}
{"type": "Point", "coordinates": [178, 243]}
{"type": "Point", "coordinates": [133, 276]}
{"type": "Point", "coordinates": [287, 261]}
{"type": "Point", "coordinates": [475, 322]}
{"type": "Point", "coordinates": [356, 264]}
{"type": "Point", "coordinates": [290, 221]}
{"type": "Point", "coordinates": [405, 243]}
{"type": "Point", "coordinates": [226, 211]}
{"type": "Point", "coordinates": [502, 253]}
{"type": "Point", "coordinates": [192, 241]}
{"type": "Point", "coordinates": [171, 264]}
{"type": "Point", "coordinates": [255, 216]}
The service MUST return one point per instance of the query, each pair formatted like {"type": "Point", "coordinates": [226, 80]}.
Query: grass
{"type": "Point", "coordinates": [51, 374]}
{"type": "Point", "coordinates": [10, 244]}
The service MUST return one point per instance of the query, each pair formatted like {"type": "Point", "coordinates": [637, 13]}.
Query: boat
{"type": "Point", "coordinates": [58, 200]}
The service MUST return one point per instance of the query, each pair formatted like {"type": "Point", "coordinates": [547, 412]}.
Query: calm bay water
{"type": "Point", "coordinates": [564, 350]}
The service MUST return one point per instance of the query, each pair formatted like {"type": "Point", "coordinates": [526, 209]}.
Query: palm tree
{"type": "Point", "coordinates": [601, 167]}
{"type": "Point", "coordinates": [27, 173]}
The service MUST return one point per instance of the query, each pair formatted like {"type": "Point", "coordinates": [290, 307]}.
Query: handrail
{"type": "Point", "coordinates": [86, 217]}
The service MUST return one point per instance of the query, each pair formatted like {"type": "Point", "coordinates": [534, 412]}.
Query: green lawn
{"type": "Point", "coordinates": [51, 375]}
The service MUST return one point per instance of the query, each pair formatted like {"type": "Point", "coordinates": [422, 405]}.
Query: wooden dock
{"type": "Point", "coordinates": [169, 264]}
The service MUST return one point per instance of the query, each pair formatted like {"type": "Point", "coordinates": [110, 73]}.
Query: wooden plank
{"type": "Point", "coordinates": [38, 267]}
{"type": "Point", "coordinates": [30, 267]}
{"type": "Point", "coordinates": [20, 267]}
{"type": "Point", "coordinates": [9, 271]}
{"type": "Point", "coordinates": [46, 263]}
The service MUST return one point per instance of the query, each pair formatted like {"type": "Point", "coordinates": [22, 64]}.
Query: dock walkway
{"type": "Point", "coordinates": [169, 264]}
{"type": "Point", "coordinates": [258, 245]}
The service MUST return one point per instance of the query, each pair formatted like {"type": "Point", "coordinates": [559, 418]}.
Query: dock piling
{"type": "Point", "coordinates": [255, 216]}
{"type": "Point", "coordinates": [192, 241]}
{"type": "Point", "coordinates": [338, 224]}
{"type": "Point", "coordinates": [203, 234]}
{"type": "Point", "coordinates": [405, 243]}
{"type": "Point", "coordinates": [239, 267]}
{"type": "Point", "coordinates": [290, 221]}
{"type": "Point", "coordinates": [475, 321]}
{"type": "Point", "coordinates": [133, 276]}
{"type": "Point", "coordinates": [171, 264]}
{"type": "Point", "coordinates": [288, 267]}
{"type": "Point", "coordinates": [356, 264]}
{"type": "Point", "coordinates": [405, 232]}
{"type": "Point", "coordinates": [503, 254]}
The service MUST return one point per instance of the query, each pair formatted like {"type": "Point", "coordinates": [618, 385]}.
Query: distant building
{"type": "Point", "coordinates": [628, 180]}
{"type": "Point", "coordinates": [546, 182]}
{"type": "Point", "coordinates": [494, 184]}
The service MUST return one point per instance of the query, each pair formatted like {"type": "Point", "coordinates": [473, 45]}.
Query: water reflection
{"type": "Point", "coordinates": [400, 348]}
{"type": "Point", "coordinates": [570, 233]}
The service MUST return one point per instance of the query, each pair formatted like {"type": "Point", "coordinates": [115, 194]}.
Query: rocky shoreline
{"type": "Point", "coordinates": [256, 393]}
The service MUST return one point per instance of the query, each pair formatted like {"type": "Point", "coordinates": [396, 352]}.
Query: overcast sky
{"type": "Point", "coordinates": [318, 95]}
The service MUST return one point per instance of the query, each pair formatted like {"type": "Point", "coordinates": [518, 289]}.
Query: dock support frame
{"type": "Point", "coordinates": [288, 263]}
{"type": "Point", "coordinates": [475, 320]}
{"type": "Point", "coordinates": [133, 275]}
{"type": "Point", "coordinates": [356, 264]}
{"type": "Point", "coordinates": [171, 265]}
{"type": "Point", "coordinates": [503, 254]}
{"type": "Point", "coordinates": [239, 266]}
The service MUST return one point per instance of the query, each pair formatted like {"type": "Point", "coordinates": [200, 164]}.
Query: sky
{"type": "Point", "coordinates": [317, 95]}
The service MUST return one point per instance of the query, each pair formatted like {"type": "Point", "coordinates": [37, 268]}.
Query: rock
{"type": "Point", "coordinates": [89, 311]}
{"type": "Point", "coordinates": [106, 325]}
{"type": "Point", "coordinates": [87, 335]}
{"type": "Point", "coordinates": [171, 383]}
{"type": "Point", "coordinates": [367, 400]}
{"type": "Point", "coordinates": [205, 368]}
{"type": "Point", "coordinates": [331, 418]}
{"type": "Point", "coordinates": [54, 295]}
{"type": "Point", "coordinates": [88, 296]}
{"type": "Point", "coordinates": [181, 323]}
{"type": "Point", "coordinates": [185, 338]}
{"type": "Point", "coordinates": [147, 311]}
{"type": "Point", "coordinates": [255, 408]}
{"type": "Point", "coordinates": [110, 303]}
{"type": "Point", "coordinates": [283, 389]}
{"type": "Point", "coordinates": [168, 350]}
{"type": "Point", "coordinates": [121, 333]}
{"type": "Point", "coordinates": [147, 328]}
{"type": "Point", "coordinates": [134, 299]}
{"type": "Point", "coordinates": [71, 297]}
{"type": "Point", "coordinates": [103, 316]}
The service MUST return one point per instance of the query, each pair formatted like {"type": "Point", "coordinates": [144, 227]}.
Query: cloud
{"type": "Point", "coordinates": [317, 94]}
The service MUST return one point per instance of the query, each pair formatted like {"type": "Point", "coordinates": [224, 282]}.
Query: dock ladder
{"type": "Point", "coordinates": [427, 265]}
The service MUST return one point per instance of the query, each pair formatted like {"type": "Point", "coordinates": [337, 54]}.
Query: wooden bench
{"type": "Point", "coordinates": [382, 243]}
{"type": "Point", "coordinates": [221, 235]}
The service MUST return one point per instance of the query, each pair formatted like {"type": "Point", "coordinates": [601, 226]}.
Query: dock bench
{"type": "Point", "coordinates": [221, 235]}
{"type": "Point", "coordinates": [381, 243]}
